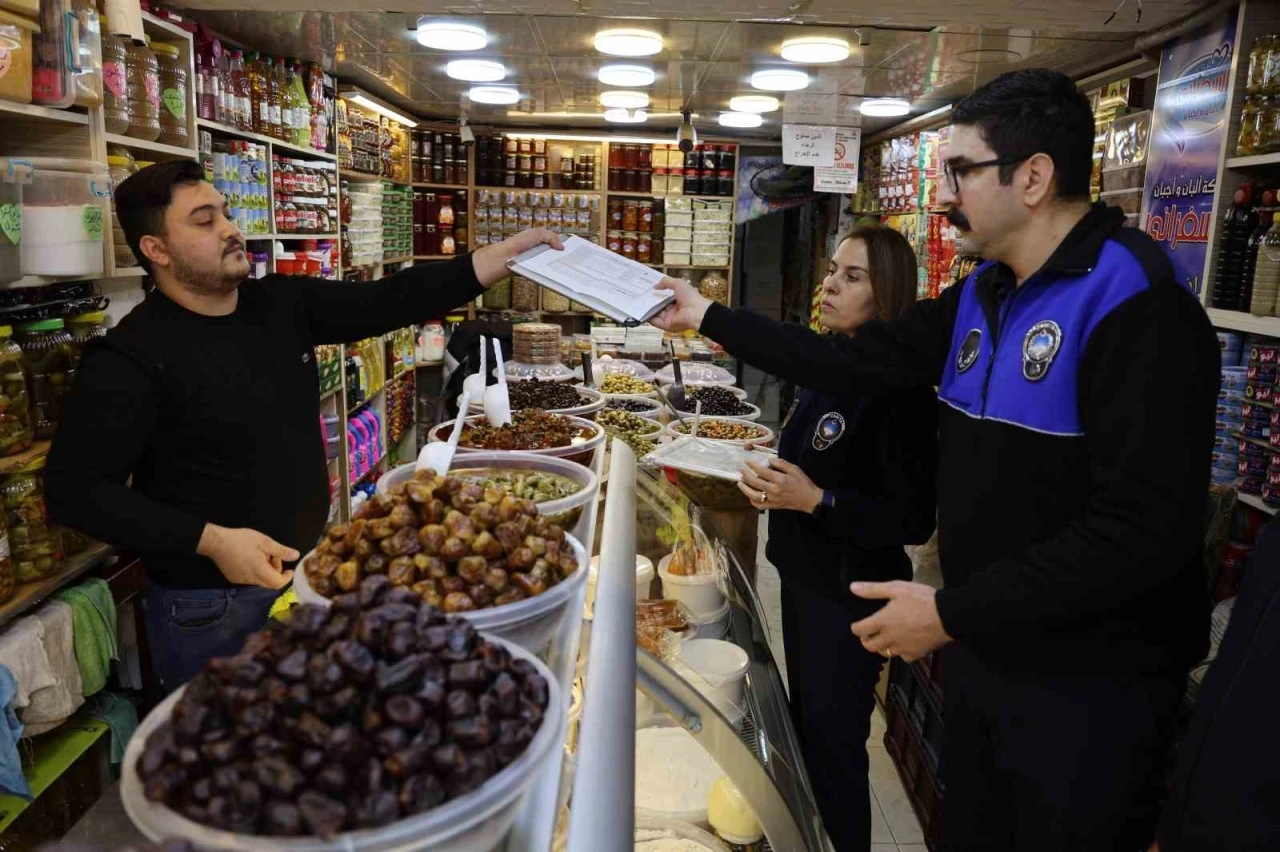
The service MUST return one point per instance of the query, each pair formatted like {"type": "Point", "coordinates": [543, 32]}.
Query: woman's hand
{"type": "Point", "coordinates": [686, 312]}
{"type": "Point", "coordinates": [779, 485]}
{"type": "Point", "coordinates": [490, 262]}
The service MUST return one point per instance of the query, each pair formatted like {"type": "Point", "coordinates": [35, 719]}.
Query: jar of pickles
{"type": "Point", "coordinates": [15, 407]}
{"type": "Point", "coordinates": [84, 328]}
{"type": "Point", "coordinates": [6, 563]}
{"type": "Point", "coordinates": [172, 108]}
{"type": "Point", "coordinates": [34, 544]}
{"type": "Point", "coordinates": [46, 347]}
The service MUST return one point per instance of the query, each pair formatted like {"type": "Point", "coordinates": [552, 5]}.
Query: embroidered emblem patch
{"type": "Point", "coordinates": [1038, 349]}
{"type": "Point", "coordinates": [828, 430]}
{"type": "Point", "coordinates": [968, 353]}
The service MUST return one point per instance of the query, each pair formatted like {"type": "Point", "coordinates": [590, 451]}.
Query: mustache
{"type": "Point", "coordinates": [961, 221]}
{"type": "Point", "coordinates": [234, 245]}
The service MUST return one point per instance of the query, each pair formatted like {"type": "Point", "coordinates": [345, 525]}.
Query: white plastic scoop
{"type": "Point", "coordinates": [438, 456]}
{"type": "Point", "coordinates": [476, 382]}
{"type": "Point", "coordinates": [497, 399]}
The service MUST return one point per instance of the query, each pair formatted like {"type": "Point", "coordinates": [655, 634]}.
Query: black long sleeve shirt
{"type": "Point", "coordinates": [1075, 427]}
{"type": "Point", "coordinates": [879, 458]}
{"type": "Point", "coordinates": [217, 418]}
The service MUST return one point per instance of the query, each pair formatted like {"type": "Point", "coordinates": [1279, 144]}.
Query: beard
{"type": "Point", "coordinates": [208, 279]}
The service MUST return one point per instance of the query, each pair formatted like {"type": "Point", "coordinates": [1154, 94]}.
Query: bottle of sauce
{"type": "Point", "coordinates": [259, 100]}
{"type": "Point", "coordinates": [1265, 212]}
{"type": "Point", "coordinates": [1266, 276]}
{"type": "Point", "coordinates": [1236, 227]}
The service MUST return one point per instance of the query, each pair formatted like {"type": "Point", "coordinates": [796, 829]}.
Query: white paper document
{"type": "Point", "coordinates": [606, 282]}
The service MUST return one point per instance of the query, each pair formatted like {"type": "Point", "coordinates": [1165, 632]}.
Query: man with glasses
{"type": "Point", "coordinates": [1077, 380]}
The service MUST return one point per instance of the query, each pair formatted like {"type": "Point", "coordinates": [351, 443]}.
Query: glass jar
{"type": "Point", "coordinates": [16, 434]}
{"type": "Point", "coordinates": [1247, 141]}
{"type": "Point", "coordinates": [444, 216]}
{"type": "Point", "coordinates": [498, 297]}
{"type": "Point", "coordinates": [142, 83]}
{"type": "Point", "coordinates": [613, 241]}
{"type": "Point", "coordinates": [714, 286]}
{"type": "Point", "coordinates": [6, 563]}
{"type": "Point", "coordinates": [115, 91]}
{"type": "Point", "coordinates": [630, 216]}
{"type": "Point", "coordinates": [33, 542]}
{"type": "Point", "coordinates": [629, 246]}
{"type": "Point", "coordinates": [47, 350]}
{"type": "Point", "coordinates": [83, 329]}
{"type": "Point", "coordinates": [644, 219]}
{"type": "Point", "coordinates": [172, 72]}
{"type": "Point", "coordinates": [644, 248]}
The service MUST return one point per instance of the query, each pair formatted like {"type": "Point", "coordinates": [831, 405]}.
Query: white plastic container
{"type": "Point", "coordinates": [475, 822]}
{"type": "Point", "coordinates": [699, 592]}
{"type": "Point", "coordinates": [582, 453]}
{"type": "Point", "coordinates": [650, 828]}
{"type": "Point", "coordinates": [64, 213]}
{"type": "Point", "coordinates": [571, 513]}
{"type": "Point", "coordinates": [674, 773]}
{"type": "Point", "coordinates": [530, 623]}
{"type": "Point", "coordinates": [626, 366]}
{"type": "Point", "coordinates": [764, 439]}
{"type": "Point", "coordinates": [696, 373]}
{"type": "Point", "coordinates": [712, 625]}
{"type": "Point", "coordinates": [723, 666]}
{"type": "Point", "coordinates": [644, 579]}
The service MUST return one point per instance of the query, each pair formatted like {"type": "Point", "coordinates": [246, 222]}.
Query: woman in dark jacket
{"type": "Point", "coordinates": [853, 483]}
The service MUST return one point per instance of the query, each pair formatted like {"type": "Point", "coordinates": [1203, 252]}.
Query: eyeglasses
{"type": "Point", "coordinates": [954, 173]}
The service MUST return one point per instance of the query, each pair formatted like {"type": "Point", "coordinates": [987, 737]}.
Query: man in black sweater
{"type": "Point", "coordinates": [1077, 381]}
{"type": "Point", "coordinates": [206, 395]}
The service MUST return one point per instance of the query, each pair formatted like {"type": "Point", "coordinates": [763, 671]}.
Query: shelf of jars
{"type": "Point", "coordinates": [1256, 161]}
{"type": "Point", "coordinates": [155, 148]}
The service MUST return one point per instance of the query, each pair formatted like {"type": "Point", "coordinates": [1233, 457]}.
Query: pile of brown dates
{"type": "Point", "coordinates": [442, 537]}
{"type": "Point", "coordinates": [343, 718]}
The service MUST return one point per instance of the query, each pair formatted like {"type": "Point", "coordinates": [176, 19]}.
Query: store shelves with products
{"type": "Point", "coordinates": [154, 150]}
{"type": "Point", "coordinates": [36, 112]}
{"type": "Point", "coordinates": [277, 145]}
{"type": "Point", "coordinates": [1241, 321]}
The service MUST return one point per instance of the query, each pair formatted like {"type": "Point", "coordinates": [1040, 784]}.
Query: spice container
{"type": "Point", "coordinates": [714, 286]}
{"type": "Point", "coordinates": [524, 294]}
{"type": "Point", "coordinates": [498, 297]}
{"type": "Point", "coordinates": [62, 219]}
{"type": "Point", "coordinates": [115, 91]}
{"type": "Point", "coordinates": [142, 83]}
{"type": "Point", "coordinates": [554, 302]}
{"type": "Point", "coordinates": [67, 58]}
{"type": "Point", "coordinates": [16, 37]}
{"type": "Point", "coordinates": [118, 170]}
{"type": "Point", "coordinates": [14, 176]}
{"type": "Point", "coordinates": [172, 72]}
{"type": "Point", "coordinates": [46, 347]}
{"type": "Point", "coordinates": [33, 543]}
{"type": "Point", "coordinates": [15, 407]}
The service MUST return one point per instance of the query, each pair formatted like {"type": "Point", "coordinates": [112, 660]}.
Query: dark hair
{"type": "Point", "coordinates": [142, 198]}
{"type": "Point", "coordinates": [891, 266]}
{"type": "Point", "coordinates": [1035, 111]}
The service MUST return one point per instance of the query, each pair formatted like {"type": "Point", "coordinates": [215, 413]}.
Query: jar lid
{"type": "Point", "coordinates": [91, 316]}
{"type": "Point", "coordinates": [165, 48]}
{"type": "Point", "coordinates": [42, 325]}
{"type": "Point", "coordinates": [123, 162]}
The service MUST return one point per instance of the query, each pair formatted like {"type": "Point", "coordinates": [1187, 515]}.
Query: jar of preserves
{"type": "Point", "coordinates": [46, 348]}
{"type": "Point", "coordinates": [630, 216]}
{"type": "Point", "coordinates": [644, 248]}
{"type": "Point", "coordinates": [644, 217]}
{"type": "Point", "coordinates": [613, 241]}
{"type": "Point", "coordinates": [1268, 136]}
{"type": "Point", "coordinates": [115, 92]}
{"type": "Point", "coordinates": [172, 72]}
{"type": "Point", "coordinates": [444, 216]}
{"type": "Point", "coordinates": [1247, 140]}
{"type": "Point", "coordinates": [16, 434]}
{"type": "Point", "coordinates": [33, 542]}
{"type": "Point", "coordinates": [142, 82]}
{"type": "Point", "coordinates": [7, 582]}
{"type": "Point", "coordinates": [615, 215]}
{"type": "Point", "coordinates": [83, 329]}
{"type": "Point", "coordinates": [714, 286]}
{"type": "Point", "coordinates": [629, 246]}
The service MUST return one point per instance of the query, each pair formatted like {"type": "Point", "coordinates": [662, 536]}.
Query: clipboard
{"type": "Point", "coordinates": [584, 272]}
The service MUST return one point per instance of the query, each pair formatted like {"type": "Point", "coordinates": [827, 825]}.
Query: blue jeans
{"type": "Point", "coordinates": [187, 627]}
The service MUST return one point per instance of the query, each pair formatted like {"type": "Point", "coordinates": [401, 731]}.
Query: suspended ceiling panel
{"type": "Point", "coordinates": [929, 52]}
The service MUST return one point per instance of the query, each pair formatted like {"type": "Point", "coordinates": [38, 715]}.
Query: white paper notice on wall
{"type": "Point", "coordinates": [810, 108]}
{"type": "Point", "coordinates": [842, 175]}
{"type": "Point", "coordinates": [808, 145]}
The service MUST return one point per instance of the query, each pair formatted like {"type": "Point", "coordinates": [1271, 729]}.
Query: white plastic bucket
{"type": "Point", "coordinates": [722, 666]}
{"type": "Point", "coordinates": [475, 822]}
{"type": "Point", "coordinates": [699, 592]}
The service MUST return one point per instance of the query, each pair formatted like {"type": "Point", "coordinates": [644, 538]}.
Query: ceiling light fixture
{"type": "Point", "coordinates": [626, 76]}
{"type": "Point", "coordinates": [358, 97]}
{"type": "Point", "coordinates": [621, 99]}
{"type": "Point", "coordinates": [779, 80]}
{"type": "Point", "coordinates": [493, 94]}
{"type": "Point", "coordinates": [815, 50]}
{"type": "Point", "coordinates": [740, 119]}
{"type": "Point", "coordinates": [628, 42]}
{"type": "Point", "coordinates": [753, 103]}
{"type": "Point", "coordinates": [884, 107]}
{"type": "Point", "coordinates": [626, 116]}
{"type": "Point", "coordinates": [450, 35]}
{"type": "Point", "coordinates": [476, 70]}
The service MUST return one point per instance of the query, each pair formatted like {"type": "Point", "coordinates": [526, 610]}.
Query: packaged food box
{"type": "Point", "coordinates": [1261, 373]}
{"type": "Point", "coordinates": [1253, 411]}
{"type": "Point", "coordinates": [703, 238]}
{"type": "Point", "coordinates": [1271, 495]}
{"type": "Point", "coordinates": [1251, 485]}
{"type": "Point", "coordinates": [1230, 413]}
{"type": "Point", "coordinates": [1236, 378]}
{"type": "Point", "coordinates": [1273, 478]}
{"type": "Point", "coordinates": [1226, 444]}
{"type": "Point", "coordinates": [1255, 430]}
{"type": "Point", "coordinates": [1222, 476]}
{"type": "Point", "coordinates": [1127, 141]}
{"type": "Point", "coordinates": [1248, 448]}
{"type": "Point", "coordinates": [1252, 466]}
{"type": "Point", "coordinates": [1263, 354]}
{"type": "Point", "coordinates": [675, 233]}
{"type": "Point", "coordinates": [1230, 340]}
{"type": "Point", "coordinates": [1225, 459]}
{"type": "Point", "coordinates": [677, 258]}
{"type": "Point", "coordinates": [709, 259]}
{"type": "Point", "coordinates": [678, 205]}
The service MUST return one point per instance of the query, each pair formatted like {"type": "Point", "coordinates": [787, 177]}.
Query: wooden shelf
{"type": "Point", "coordinates": [417, 184]}
{"type": "Point", "coordinates": [352, 174]}
{"type": "Point", "coordinates": [434, 256]}
{"type": "Point", "coordinates": [1256, 161]}
{"type": "Point", "coordinates": [65, 116]}
{"type": "Point", "coordinates": [1255, 502]}
{"type": "Point", "coordinates": [1240, 321]}
{"type": "Point", "coordinates": [28, 595]}
{"type": "Point", "coordinates": [660, 197]}
{"type": "Point", "coordinates": [51, 755]}
{"type": "Point", "coordinates": [387, 261]}
{"type": "Point", "coordinates": [152, 147]}
{"type": "Point", "coordinates": [368, 399]}
{"type": "Point", "coordinates": [168, 29]}
{"type": "Point", "coordinates": [227, 130]}
{"type": "Point", "coordinates": [126, 272]}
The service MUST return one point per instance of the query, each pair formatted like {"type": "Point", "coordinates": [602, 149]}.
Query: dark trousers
{"type": "Point", "coordinates": [1037, 763]}
{"type": "Point", "coordinates": [831, 680]}
{"type": "Point", "coordinates": [186, 627]}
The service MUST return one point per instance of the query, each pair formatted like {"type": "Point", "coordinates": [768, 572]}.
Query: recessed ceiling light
{"type": "Point", "coordinates": [884, 107]}
{"type": "Point", "coordinates": [779, 80]}
{"type": "Point", "coordinates": [740, 119]}
{"type": "Point", "coordinates": [815, 49]}
{"type": "Point", "coordinates": [620, 99]}
{"type": "Point", "coordinates": [493, 94]}
{"type": "Point", "coordinates": [451, 35]}
{"type": "Point", "coordinates": [626, 76]}
{"type": "Point", "coordinates": [626, 116]}
{"type": "Point", "coordinates": [628, 42]}
{"type": "Point", "coordinates": [476, 70]}
{"type": "Point", "coordinates": [753, 103]}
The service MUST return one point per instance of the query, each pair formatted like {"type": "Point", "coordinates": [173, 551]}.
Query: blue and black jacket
{"type": "Point", "coordinates": [1075, 428]}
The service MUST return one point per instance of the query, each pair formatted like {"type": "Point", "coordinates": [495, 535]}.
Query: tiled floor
{"type": "Point", "coordinates": [894, 827]}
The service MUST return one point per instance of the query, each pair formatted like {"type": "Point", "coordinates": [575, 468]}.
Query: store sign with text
{"type": "Point", "coordinates": [1188, 131]}
{"type": "Point", "coordinates": [842, 175]}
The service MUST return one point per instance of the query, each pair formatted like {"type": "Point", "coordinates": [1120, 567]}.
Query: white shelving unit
{"type": "Point", "coordinates": [1255, 502]}
{"type": "Point", "coordinates": [1247, 323]}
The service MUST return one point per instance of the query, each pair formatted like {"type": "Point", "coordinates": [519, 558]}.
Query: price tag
{"type": "Point", "coordinates": [92, 220]}
{"type": "Point", "coordinates": [176, 102]}
{"type": "Point", "coordinates": [11, 222]}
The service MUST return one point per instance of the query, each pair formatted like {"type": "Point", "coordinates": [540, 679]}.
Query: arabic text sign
{"type": "Point", "coordinates": [808, 145]}
{"type": "Point", "coordinates": [1188, 129]}
{"type": "Point", "coordinates": [842, 175]}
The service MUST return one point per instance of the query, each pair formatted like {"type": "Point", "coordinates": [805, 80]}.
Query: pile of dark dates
{"type": "Point", "coordinates": [441, 538]}
{"type": "Point", "coordinates": [343, 718]}
{"type": "Point", "coordinates": [534, 393]}
{"type": "Point", "coordinates": [635, 406]}
{"type": "Point", "coordinates": [716, 401]}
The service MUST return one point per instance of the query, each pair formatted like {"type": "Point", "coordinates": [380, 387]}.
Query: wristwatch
{"type": "Point", "coordinates": [827, 504]}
